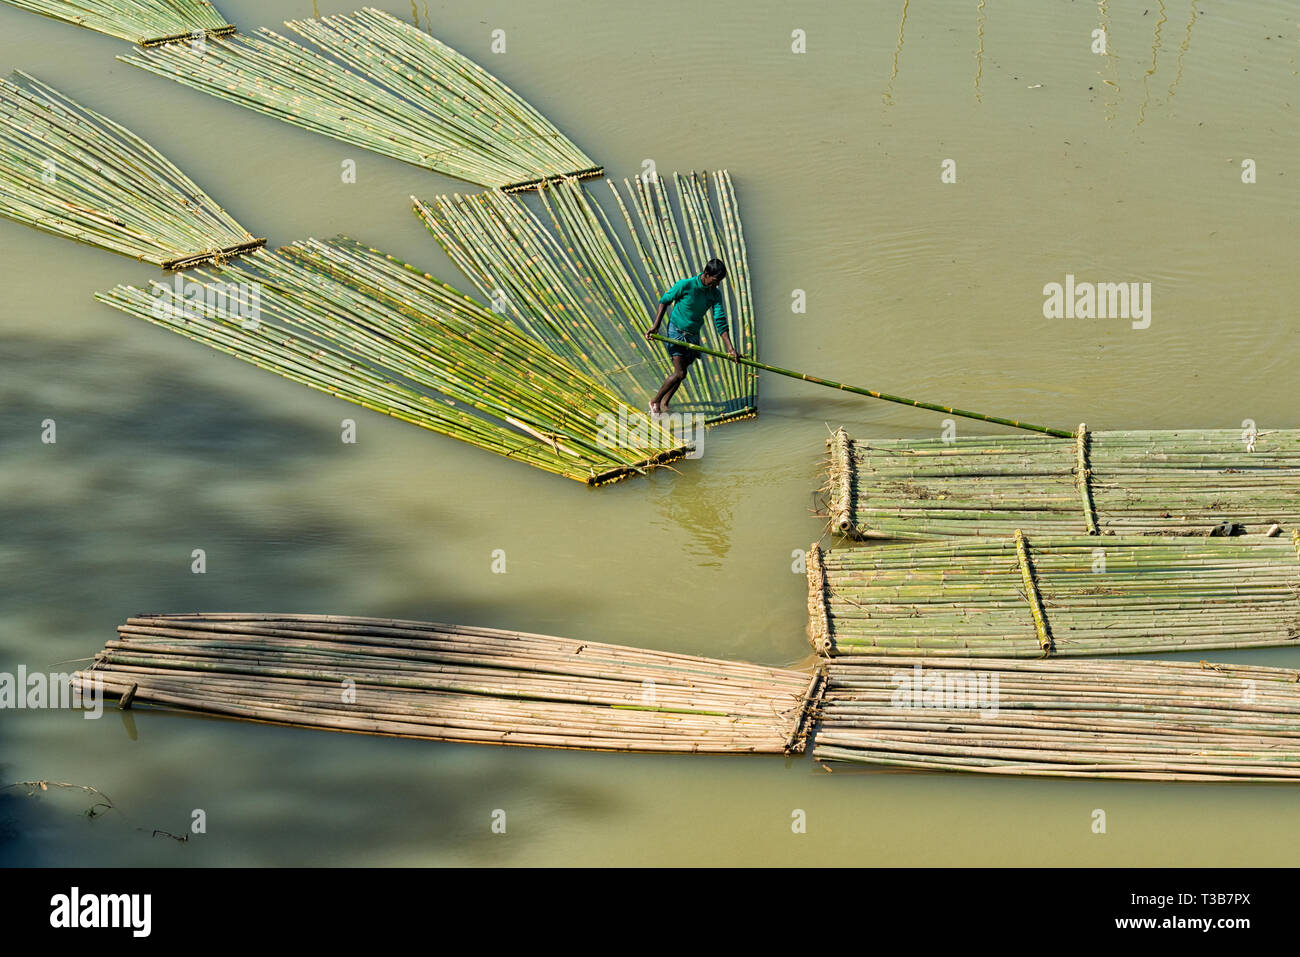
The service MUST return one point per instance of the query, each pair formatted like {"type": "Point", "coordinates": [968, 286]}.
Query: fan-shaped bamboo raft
{"type": "Point", "coordinates": [1035, 596]}
{"type": "Point", "coordinates": [75, 173]}
{"type": "Point", "coordinates": [356, 323]}
{"type": "Point", "coordinates": [451, 683]}
{"type": "Point", "coordinates": [1184, 482]}
{"type": "Point", "coordinates": [384, 85]}
{"type": "Point", "coordinates": [146, 22]}
{"type": "Point", "coordinates": [589, 291]}
{"type": "Point", "coordinates": [1141, 720]}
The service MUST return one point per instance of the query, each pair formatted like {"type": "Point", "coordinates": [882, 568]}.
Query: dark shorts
{"type": "Point", "coordinates": [690, 355]}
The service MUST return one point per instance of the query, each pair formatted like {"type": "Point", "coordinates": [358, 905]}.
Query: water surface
{"type": "Point", "coordinates": [1118, 168]}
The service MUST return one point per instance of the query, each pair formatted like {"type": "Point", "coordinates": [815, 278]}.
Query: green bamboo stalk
{"type": "Point", "coordinates": [376, 82]}
{"type": "Point", "coordinates": [744, 360]}
{"type": "Point", "coordinates": [146, 22]}
{"type": "Point", "coordinates": [70, 171]}
{"type": "Point", "coordinates": [569, 279]}
{"type": "Point", "coordinates": [359, 324]}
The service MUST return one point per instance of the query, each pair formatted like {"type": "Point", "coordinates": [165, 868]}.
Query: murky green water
{"type": "Point", "coordinates": [1119, 168]}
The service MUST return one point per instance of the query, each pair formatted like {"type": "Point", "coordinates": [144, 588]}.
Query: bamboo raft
{"type": "Point", "coordinates": [451, 683]}
{"type": "Point", "coordinates": [1184, 482]}
{"type": "Point", "coordinates": [1041, 596]}
{"type": "Point", "coordinates": [1138, 720]}
{"type": "Point", "coordinates": [589, 291]}
{"type": "Point", "coordinates": [70, 171]}
{"type": "Point", "coordinates": [356, 323]}
{"type": "Point", "coordinates": [376, 82]}
{"type": "Point", "coordinates": [146, 22]}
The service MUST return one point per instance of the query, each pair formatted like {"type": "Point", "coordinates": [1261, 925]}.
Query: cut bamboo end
{"type": "Point", "coordinates": [843, 483]}
{"type": "Point", "coordinates": [818, 612]}
{"type": "Point", "coordinates": [526, 185]}
{"type": "Point", "coordinates": [1295, 540]}
{"type": "Point", "coordinates": [638, 468]}
{"type": "Point", "coordinates": [218, 256]}
{"type": "Point", "coordinates": [209, 33]}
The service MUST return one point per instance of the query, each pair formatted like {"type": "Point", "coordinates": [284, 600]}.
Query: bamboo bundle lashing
{"type": "Point", "coordinates": [1032, 596]}
{"type": "Point", "coordinates": [374, 81]}
{"type": "Point", "coordinates": [1042, 595]}
{"type": "Point", "coordinates": [1178, 482]}
{"type": "Point", "coordinates": [1083, 478]}
{"type": "Point", "coordinates": [568, 277]}
{"type": "Point", "coordinates": [70, 171]}
{"type": "Point", "coordinates": [453, 683]}
{"type": "Point", "coordinates": [146, 22]}
{"type": "Point", "coordinates": [1138, 720]}
{"type": "Point", "coordinates": [361, 325]}
{"type": "Point", "coordinates": [843, 474]}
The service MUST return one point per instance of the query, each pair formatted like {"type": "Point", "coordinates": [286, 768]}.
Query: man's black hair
{"type": "Point", "coordinates": [714, 267]}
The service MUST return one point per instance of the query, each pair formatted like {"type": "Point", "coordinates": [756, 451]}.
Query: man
{"type": "Point", "coordinates": [692, 299]}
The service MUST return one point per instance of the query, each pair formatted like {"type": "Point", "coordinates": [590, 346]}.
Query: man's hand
{"type": "Point", "coordinates": [731, 350]}
{"type": "Point", "coordinates": [653, 330]}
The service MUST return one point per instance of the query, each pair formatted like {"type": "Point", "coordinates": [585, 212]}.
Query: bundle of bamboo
{"type": "Point", "coordinates": [146, 22]}
{"type": "Point", "coordinates": [384, 85]}
{"type": "Point", "coordinates": [1141, 720]}
{"type": "Point", "coordinates": [589, 293]}
{"type": "Point", "coordinates": [446, 682]}
{"type": "Point", "coordinates": [73, 172]}
{"type": "Point", "coordinates": [1042, 596]}
{"type": "Point", "coordinates": [1184, 482]}
{"type": "Point", "coordinates": [356, 323]}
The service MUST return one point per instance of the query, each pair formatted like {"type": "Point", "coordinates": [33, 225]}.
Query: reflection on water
{"type": "Point", "coordinates": [898, 51]}
{"type": "Point", "coordinates": [1151, 70]}
{"type": "Point", "coordinates": [1182, 47]}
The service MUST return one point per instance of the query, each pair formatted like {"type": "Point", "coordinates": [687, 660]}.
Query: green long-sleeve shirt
{"type": "Point", "coordinates": [691, 301]}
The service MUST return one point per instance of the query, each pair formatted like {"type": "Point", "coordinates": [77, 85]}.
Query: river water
{"type": "Point", "coordinates": [1115, 168]}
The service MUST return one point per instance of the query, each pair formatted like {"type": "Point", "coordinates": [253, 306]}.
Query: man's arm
{"type": "Point", "coordinates": [722, 328]}
{"type": "Point", "coordinates": [667, 299]}
{"type": "Point", "coordinates": [659, 317]}
{"type": "Point", "coordinates": [726, 341]}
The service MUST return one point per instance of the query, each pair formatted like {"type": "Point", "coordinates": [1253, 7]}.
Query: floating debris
{"type": "Point", "coordinates": [1141, 720]}
{"type": "Point", "coordinates": [75, 173]}
{"type": "Point", "coordinates": [146, 22]}
{"type": "Point", "coordinates": [569, 278]}
{"type": "Point", "coordinates": [361, 325]}
{"type": "Point", "coordinates": [379, 83]}
{"type": "Point", "coordinates": [451, 683]}
{"type": "Point", "coordinates": [1037, 595]}
{"type": "Point", "coordinates": [1183, 482]}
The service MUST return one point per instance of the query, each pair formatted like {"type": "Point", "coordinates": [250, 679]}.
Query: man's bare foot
{"type": "Point", "coordinates": [654, 408]}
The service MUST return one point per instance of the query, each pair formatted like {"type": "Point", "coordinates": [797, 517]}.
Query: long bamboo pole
{"type": "Point", "coordinates": [857, 390]}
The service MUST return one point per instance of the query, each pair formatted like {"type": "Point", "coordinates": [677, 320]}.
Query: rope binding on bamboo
{"type": "Point", "coordinates": [818, 614]}
{"type": "Point", "coordinates": [1083, 478]}
{"type": "Point", "coordinates": [216, 256]}
{"type": "Point", "coordinates": [546, 181]}
{"type": "Point", "coordinates": [1031, 594]}
{"type": "Point", "coordinates": [208, 33]}
{"type": "Point", "coordinates": [842, 481]}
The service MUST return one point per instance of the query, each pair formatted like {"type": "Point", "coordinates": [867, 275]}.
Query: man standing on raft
{"type": "Point", "coordinates": [691, 299]}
